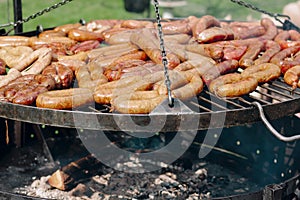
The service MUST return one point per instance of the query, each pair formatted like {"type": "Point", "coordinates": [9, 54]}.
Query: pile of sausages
{"type": "Point", "coordinates": [118, 63]}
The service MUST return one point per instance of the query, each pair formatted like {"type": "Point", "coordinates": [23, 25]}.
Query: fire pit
{"type": "Point", "coordinates": [246, 163]}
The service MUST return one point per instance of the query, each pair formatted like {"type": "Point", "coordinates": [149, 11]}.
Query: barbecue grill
{"type": "Point", "coordinates": [269, 102]}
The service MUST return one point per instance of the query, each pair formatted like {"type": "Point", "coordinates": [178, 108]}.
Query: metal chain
{"type": "Point", "coordinates": [35, 15]}
{"type": "Point", "coordinates": [163, 54]}
{"type": "Point", "coordinates": [274, 15]}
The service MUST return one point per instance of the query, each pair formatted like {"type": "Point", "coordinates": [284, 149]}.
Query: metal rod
{"type": "Point", "coordinates": [270, 127]}
{"type": "Point", "coordinates": [18, 16]}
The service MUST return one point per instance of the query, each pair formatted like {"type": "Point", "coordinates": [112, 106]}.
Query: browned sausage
{"type": "Point", "coordinates": [220, 69]}
{"type": "Point", "coordinates": [11, 75]}
{"type": "Point", "coordinates": [215, 34]}
{"type": "Point", "coordinates": [291, 76]}
{"type": "Point", "coordinates": [279, 57]}
{"type": "Point", "coordinates": [138, 102]}
{"type": "Point", "coordinates": [64, 99]}
{"type": "Point", "coordinates": [145, 40]}
{"type": "Point", "coordinates": [203, 23]}
{"type": "Point", "coordinates": [271, 29]}
{"type": "Point", "coordinates": [84, 35]}
{"type": "Point", "coordinates": [232, 85]}
{"type": "Point", "coordinates": [271, 48]}
{"type": "Point", "coordinates": [264, 72]}
{"type": "Point", "coordinates": [2, 67]}
{"type": "Point", "coordinates": [251, 54]}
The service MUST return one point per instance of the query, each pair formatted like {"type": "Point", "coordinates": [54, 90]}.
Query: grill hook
{"type": "Point", "coordinates": [271, 128]}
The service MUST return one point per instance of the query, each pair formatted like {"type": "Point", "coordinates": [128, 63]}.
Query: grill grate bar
{"type": "Point", "coordinates": [201, 107]}
{"type": "Point", "coordinates": [278, 92]}
{"type": "Point", "coordinates": [212, 103]}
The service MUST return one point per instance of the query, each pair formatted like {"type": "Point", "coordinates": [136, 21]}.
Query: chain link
{"type": "Point", "coordinates": [163, 53]}
{"type": "Point", "coordinates": [274, 15]}
{"type": "Point", "coordinates": [35, 15]}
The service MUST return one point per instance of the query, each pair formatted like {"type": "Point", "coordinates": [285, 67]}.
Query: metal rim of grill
{"type": "Point", "coordinates": [276, 98]}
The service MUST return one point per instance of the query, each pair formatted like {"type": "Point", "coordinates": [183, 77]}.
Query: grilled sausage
{"type": "Point", "coordinates": [270, 27]}
{"type": "Point", "coordinates": [62, 75]}
{"type": "Point", "coordinates": [2, 67]}
{"type": "Point", "coordinates": [139, 102]}
{"type": "Point", "coordinates": [232, 85]}
{"type": "Point", "coordinates": [291, 76]}
{"type": "Point", "coordinates": [64, 99]}
{"type": "Point", "coordinates": [220, 69]}
{"type": "Point", "coordinates": [251, 54]}
{"type": "Point", "coordinates": [84, 46]}
{"type": "Point", "coordinates": [84, 35]}
{"type": "Point", "coordinates": [11, 75]}
{"type": "Point", "coordinates": [215, 34]}
{"type": "Point", "coordinates": [264, 72]}
{"type": "Point", "coordinates": [271, 48]}
{"type": "Point", "coordinates": [203, 23]}
{"type": "Point", "coordinates": [14, 41]}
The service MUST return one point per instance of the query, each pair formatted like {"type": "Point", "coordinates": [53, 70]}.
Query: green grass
{"type": "Point", "coordinates": [114, 9]}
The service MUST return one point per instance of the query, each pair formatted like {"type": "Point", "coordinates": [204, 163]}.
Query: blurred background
{"type": "Point", "coordinates": [103, 9]}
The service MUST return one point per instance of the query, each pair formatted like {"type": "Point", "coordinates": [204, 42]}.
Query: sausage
{"type": "Point", "coordinates": [193, 88]}
{"type": "Point", "coordinates": [102, 24]}
{"type": "Point", "coordinates": [104, 93]}
{"type": "Point", "coordinates": [147, 68]}
{"type": "Point", "coordinates": [271, 48]}
{"type": "Point", "coordinates": [251, 54]}
{"type": "Point", "coordinates": [14, 55]}
{"type": "Point", "coordinates": [232, 52]}
{"type": "Point", "coordinates": [279, 57]}
{"type": "Point", "coordinates": [287, 64]}
{"type": "Point", "coordinates": [89, 76]}
{"type": "Point", "coordinates": [176, 27]}
{"type": "Point", "coordinates": [282, 36]}
{"type": "Point", "coordinates": [115, 71]}
{"type": "Point", "coordinates": [64, 99]}
{"type": "Point", "coordinates": [250, 32]}
{"type": "Point", "coordinates": [112, 51]}
{"type": "Point", "coordinates": [52, 33]}
{"type": "Point", "coordinates": [73, 61]}
{"type": "Point", "coordinates": [35, 62]}
{"type": "Point", "coordinates": [138, 102]}
{"type": "Point", "coordinates": [2, 67]}
{"type": "Point", "coordinates": [213, 51]}
{"type": "Point", "coordinates": [13, 41]}
{"type": "Point", "coordinates": [148, 42]}
{"type": "Point", "coordinates": [11, 75]}
{"type": "Point", "coordinates": [178, 38]}
{"type": "Point", "coordinates": [46, 81]}
{"type": "Point", "coordinates": [67, 27]}
{"type": "Point", "coordinates": [28, 95]}
{"type": "Point", "coordinates": [294, 35]}
{"type": "Point", "coordinates": [62, 75]}
{"type": "Point", "coordinates": [84, 46]}
{"type": "Point", "coordinates": [177, 79]}
{"type": "Point", "coordinates": [36, 42]}
{"type": "Point", "coordinates": [264, 72]}
{"type": "Point", "coordinates": [232, 85]}
{"type": "Point", "coordinates": [122, 36]}
{"type": "Point", "coordinates": [291, 77]}
{"type": "Point", "coordinates": [215, 34]}
{"type": "Point", "coordinates": [203, 23]}
{"type": "Point", "coordinates": [84, 35]}
{"type": "Point", "coordinates": [220, 69]}
{"type": "Point", "coordinates": [270, 27]}
{"type": "Point", "coordinates": [136, 24]}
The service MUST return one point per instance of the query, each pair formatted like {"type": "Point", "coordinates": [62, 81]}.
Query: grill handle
{"type": "Point", "coordinates": [271, 128]}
